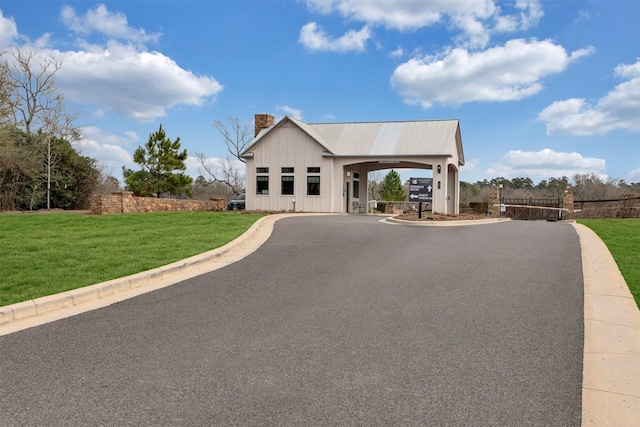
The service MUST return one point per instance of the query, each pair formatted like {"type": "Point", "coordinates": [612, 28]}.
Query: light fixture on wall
{"type": "Point", "coordinates": [439, 168]}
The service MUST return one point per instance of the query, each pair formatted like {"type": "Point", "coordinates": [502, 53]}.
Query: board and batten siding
{"type": "Point", "coordinates": [289, 147]}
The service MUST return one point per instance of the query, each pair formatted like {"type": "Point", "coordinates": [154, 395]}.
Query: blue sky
{"type": "Point", "coordinates": [541, 88]}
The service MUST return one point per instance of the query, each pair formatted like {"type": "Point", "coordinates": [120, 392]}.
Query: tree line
{"type": "Point", "coordinates": [588, 186]}
{"type": "Point", "coordinates": [584, 186]}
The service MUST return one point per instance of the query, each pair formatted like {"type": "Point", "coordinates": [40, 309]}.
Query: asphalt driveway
{"type": "Point", "coordinates": [335, 320]}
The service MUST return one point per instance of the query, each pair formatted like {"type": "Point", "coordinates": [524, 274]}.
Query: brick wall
{"type": "Point", "coordinates": [126, 202]}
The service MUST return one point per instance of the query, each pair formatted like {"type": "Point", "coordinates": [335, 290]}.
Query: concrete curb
{"type": "Point", "coordinates": [444, 223]}
{"type": "Point", "coordinates": [611, 372]}
{"type": "Point", "coordinates": [23, 315]}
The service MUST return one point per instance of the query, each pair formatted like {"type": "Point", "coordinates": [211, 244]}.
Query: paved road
{"type": "Point", "coordinates": [336, 320]}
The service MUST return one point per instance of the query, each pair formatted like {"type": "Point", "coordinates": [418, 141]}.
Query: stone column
{"type": "Point", "coordinates": [494, 201]}
{"type": "Point", "coordinates": [567, 199]}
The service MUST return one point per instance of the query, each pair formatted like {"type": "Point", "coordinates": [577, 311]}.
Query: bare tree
{"type": "Point", "coordinates": [6, 101]}
{"type": "Point", "coordinates": [592, 187]}
{"type": "Point", "coordinates": [204, 189]}
{"type": "Point", "coordinates": [37, 105]}
{"type": "Point", "coordinates": [226, 172]}
{"type": "Point", "coordinates": [106, 182]}
{"type": "Point", "coordinates": [237, 136]}
{"type": "Point", "coordinates": [374, 181]}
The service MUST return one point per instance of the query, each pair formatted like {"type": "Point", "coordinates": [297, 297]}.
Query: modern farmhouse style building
{"type": "Point", "coordinates": [292, 165]}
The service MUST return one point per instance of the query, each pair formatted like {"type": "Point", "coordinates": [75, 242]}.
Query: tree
{"type": "Point", "coordinates": [21, 172]}
{"type": "Point", "coordinates": [226, 172]}
{"type": "Point", "coordinates": [592, 187]}
{"type": "Point", "coordinates": [392, 188]}
{"type": "Point", "coordinates": [236, 137]}
{"type": "Point", "coordinates": [204, 189]}
{"type": "Point", "coordinates": [518, 183]}
{"type": "Point", "coordinates": [556, 186]}
{"type": "Point", "coordinates": [374, 180]}
{"type": "Point", "coordinates": [159, 158]}
{"type": "Point", "coordinates": [23, 179]}
{"type": "Point", "coordinates": [74, 178]}
{"type": "Point", "coordinates": [468, 192]}
{"type": "Point", "coordinates": [28, 90]}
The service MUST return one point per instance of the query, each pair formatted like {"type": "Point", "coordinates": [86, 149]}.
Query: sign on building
{"type": "Point", "coordinates": [420, 189]}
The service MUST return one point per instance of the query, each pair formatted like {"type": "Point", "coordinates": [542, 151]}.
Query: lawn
{"type": "Point", "coordinates": [622, 237]}
{"type": "Point", "coordinates": [43, 254]}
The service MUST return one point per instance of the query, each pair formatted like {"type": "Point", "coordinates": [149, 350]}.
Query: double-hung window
{"type": "Point", "coordinates": [262, 180]}
{"type": "Point", "coordinates": [313, 181]}
{"type": "Point", "coordinates": [287, 181]}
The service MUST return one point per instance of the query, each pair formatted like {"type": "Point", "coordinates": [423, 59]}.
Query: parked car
{"type": "Point", "coordinates": [237, 203]}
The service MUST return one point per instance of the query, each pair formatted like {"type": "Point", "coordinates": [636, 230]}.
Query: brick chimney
{"type": "Point", "coordinates": [262, 121]}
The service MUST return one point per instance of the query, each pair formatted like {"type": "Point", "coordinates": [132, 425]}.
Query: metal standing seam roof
{"type": "Point", "coordinates": [408, 138]}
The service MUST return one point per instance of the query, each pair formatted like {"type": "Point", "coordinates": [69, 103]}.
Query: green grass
{"type": "Point", "coordinates": [622, 237]}
{"type": "Point", "coordinates": [43, 254]}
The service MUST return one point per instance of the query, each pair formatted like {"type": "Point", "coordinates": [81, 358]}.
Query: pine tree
{"type": "Point", "coordinates": [392, 189]}
{"type": "Point", "coordinates": [159, 158]}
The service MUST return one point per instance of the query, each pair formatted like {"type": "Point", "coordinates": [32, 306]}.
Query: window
{"type": "Point", "coordinates": [313, 170]}
{"type": "Point", "coordinates": [287, 170]}
{"type": "Point", "coordinates": [262, 184]}
{"type": "Point", "coordinates": [262, 181]}
{"type": "Point", "coordinates": [356, 175]}
{"type": "Point", "coordinates": [313, 186]}
{"type": "Point", "coordinates": [356, 189]}
{"type": "Point", "coordinates": [287, 185]}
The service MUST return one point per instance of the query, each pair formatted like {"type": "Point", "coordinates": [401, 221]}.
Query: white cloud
{"type": "Point", "coordinates": [471, 165]}
{"type": "Point", "coordinates": [8, 31]}
{"type": "Point", "coordinates": [618, 109]}
{"type": "Point", "coordinates": [545, 164]}
{"type": "Point", "coordinates": [313, 37]}
{"type": "Point", "coordinates": [474, 33]}
{"type": "Point", "coordinates": [399, 52]}
{"type": "Point", "coordinates": [633, 175]}
{"type": "Point", "coordinates": [95, 133]}
{"type": "Point", "coordinates": [530, 13]}
{"type": "Point", "coordinates": [118, 76]}
{"type": "Point", "coordinates": [504, 73]}
{"type": "Point", "coordinates": [107, 148]}
{"type": "Point", "coordinates": [476, 20]}
{"type": "Point", "coordinates": [136, 84]}
{"type": "Point", "coordinates": [110, 24]}
{"type": "Point", "coordinates": [527, 15]}
{"type": "Point", "coordinates": [292, 112]}
{"type": "Point", "coordinates": [403, 15]}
